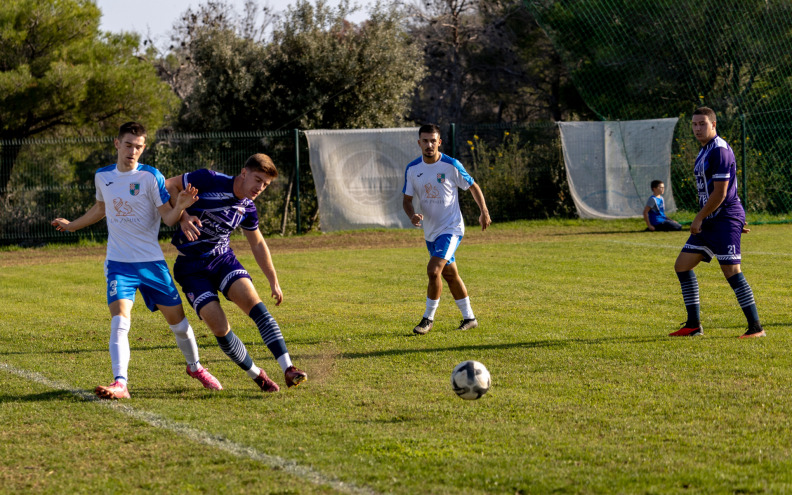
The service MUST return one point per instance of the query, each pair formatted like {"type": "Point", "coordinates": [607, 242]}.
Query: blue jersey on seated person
{"type": "Point", "coordinates": [657, 217]}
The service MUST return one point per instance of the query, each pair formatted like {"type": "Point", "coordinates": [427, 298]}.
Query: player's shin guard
{"type": "Point", "coordinates": [271, 334]}
{"type": "Point", "coordinates": [745, 296]}
{"type": "Point", "coordinates": [185, 339]}
{"type": "Point", "coordinates": [690, 294]}
{"type": "Point", "coordinates": [119, 346]}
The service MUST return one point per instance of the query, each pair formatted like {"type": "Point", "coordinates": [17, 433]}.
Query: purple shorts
{"type": "Point", "coordinates": [717, 239]}
{"type": "Point", "coordinates": [202, 278]}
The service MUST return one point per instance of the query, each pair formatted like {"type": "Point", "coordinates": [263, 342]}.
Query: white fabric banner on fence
{"type": "Point", "coordinates": [359, 175]}
{"type": "Point", "coordinates": [610, 165]}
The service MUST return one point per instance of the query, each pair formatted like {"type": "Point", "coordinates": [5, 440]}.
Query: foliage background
{"type": "Point", "coordinates": [479, 69]}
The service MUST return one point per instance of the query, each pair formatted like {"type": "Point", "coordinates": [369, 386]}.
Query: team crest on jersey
{"type": "Point", "coordinates": [134, 188]}
{"type": "Point", "coordinates": [440, 178]}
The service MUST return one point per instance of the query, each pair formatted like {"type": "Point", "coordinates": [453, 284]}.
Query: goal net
{"type": "Point", "coordinates": [359, 176]}
{"type": "Point", "coordinates": [610, 165]}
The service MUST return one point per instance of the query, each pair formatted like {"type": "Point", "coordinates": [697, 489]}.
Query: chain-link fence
{"type": "Point", "coordinates": [52, 178]}
{"type": "Point", "coordinates": [633, 59]}
{"type": "Point", "coordinates": [519, 168]}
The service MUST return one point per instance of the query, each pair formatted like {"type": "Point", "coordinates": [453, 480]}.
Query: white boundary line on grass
{"type": "Point", "coordinates": [195, 435]}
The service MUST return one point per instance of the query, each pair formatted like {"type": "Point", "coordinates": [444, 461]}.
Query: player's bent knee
{"type": "Point", "coordinates": [173, 314]}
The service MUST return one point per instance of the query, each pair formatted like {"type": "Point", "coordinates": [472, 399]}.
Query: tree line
{"type": "Point", "coordinates": [440, 61]}
{"type": "Point", "coordinates": [514, 62]}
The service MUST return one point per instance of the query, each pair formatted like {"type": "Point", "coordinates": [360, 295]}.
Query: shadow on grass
{"type": "Point", "coordinates": [53, 395]}
{"type": "Point", "coordinates": [165, 392]}
{"type": "Point", "coordinates": [711, 333]}
{"type": "Point", "coordinates": [547, 344]}
{"type": "Point", "coordinates": [209, 345]}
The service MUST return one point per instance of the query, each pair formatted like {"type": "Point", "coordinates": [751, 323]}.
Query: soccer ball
{"type": "Point", "coordinates": [470, 380]}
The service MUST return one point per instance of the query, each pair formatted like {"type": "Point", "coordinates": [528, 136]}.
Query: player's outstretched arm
{"type": "Point", "coordinates": [185, 198]}
{"type": "Point", "coordinates": [90, 217]}
{"type": "Point", "coordinates": [174, 186]}
{"type": "Point", "coordinates": [478, 196]}
{"type": "Point", "coordinates": [264, 259]}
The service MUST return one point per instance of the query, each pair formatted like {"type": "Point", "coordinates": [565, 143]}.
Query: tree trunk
{"type": "Point", "coordinates": [8, 155]}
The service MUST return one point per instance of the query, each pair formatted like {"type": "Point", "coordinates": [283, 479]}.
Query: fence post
{"type": "Point", "coordinates": [744, 164]}
{"type": "Point", "coordinates": [453, 140]}
{"type": "Point", "coordinates": [297, 177]}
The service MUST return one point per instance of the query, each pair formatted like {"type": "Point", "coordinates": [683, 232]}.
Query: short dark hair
{"type": "Point", "coordinates": [133, 128]}
{"type": "Point", "coordinates": [707, 112]}
{"type": "Point", "coordinates": [656, 183]}
{"type": "Point", "coordinates": [262, 163]}
{"type": "Point", "coordinates": [429, 129]}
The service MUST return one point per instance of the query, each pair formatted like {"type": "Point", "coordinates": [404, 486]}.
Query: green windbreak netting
{"type": "Point", "coordinates": [55, 178]}
{"type": "Point", "coordinates": [633, 59]}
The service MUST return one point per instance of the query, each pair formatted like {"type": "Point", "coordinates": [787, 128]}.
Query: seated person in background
{"type": "Point", "coordinates": [654, 211]}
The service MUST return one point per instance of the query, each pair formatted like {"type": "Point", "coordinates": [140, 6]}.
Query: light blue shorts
{"type": "Point", "coordinates": [444, 247]}
{"type": "Point", "coordinates": [152, 278]}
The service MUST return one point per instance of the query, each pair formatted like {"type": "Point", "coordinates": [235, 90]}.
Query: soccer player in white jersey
{"type": "Point", "coordinates": [133, 198]}
{"type": "Point", "coordinates": [435, 179]}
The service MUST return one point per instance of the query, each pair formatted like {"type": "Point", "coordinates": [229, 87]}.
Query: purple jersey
{"type": "Point", "coordinates": [714, 163]}
{"type": "Point", "coordinates": [220, 211]}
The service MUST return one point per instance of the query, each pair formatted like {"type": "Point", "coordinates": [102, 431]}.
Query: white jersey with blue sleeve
{"type": "Point", "coordinates": [436, 186]}
{"type": "Point", "coordinates": [131, 200]}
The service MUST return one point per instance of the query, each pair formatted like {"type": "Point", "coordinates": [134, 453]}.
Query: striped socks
{"type": "Point", "coordinates": [236, 351]}
{"type": "Point", "coordinates": [271, 334]}
{"type": "Point", "coordinates": [745, 296]}
{"type": "Point", "coordinates": [690, 294]}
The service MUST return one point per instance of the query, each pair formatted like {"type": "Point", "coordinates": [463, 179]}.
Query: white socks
{"type": "Point", "coordinates": [253, 372]}
{"type": "Point", "coordinates": [462, 304]}
{"type": "Point", "coordinates": [464, 307]}
{"type": "Point", "coordinates": [185, 339]}
{"type": "Point", "coordinates": [431, 307]}
{"type": "Point", "coordinates": [119, 347]}
{"type": "Point", "coordinates": [284, 361]}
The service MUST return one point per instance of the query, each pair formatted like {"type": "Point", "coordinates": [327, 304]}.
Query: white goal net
{"type": "Point", "coordinates": [359, 175]}
{"type": "Point", "coordinates": [610, 165]}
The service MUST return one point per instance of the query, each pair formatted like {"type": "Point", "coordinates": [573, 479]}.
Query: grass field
{"type": "Point", "coordinates": [589, 395]}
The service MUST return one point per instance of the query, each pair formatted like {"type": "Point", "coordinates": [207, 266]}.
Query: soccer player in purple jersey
{"type": "Point", "coordinates": [206, 263]}
{"type": "Point", "coordinates": [717, 229]}
{"type": "Point", "coordinates": [435, 179]}
{"type": "Point", "coordinates": [133, 198]}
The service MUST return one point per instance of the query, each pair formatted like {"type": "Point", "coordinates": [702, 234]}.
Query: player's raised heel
{"type": "Point", "coordinates": [423, 327]}
{"type": "Point", "coordinates": [264, 382]}
{"type": "Point", "coordinates": [754, 330]}
{"type": "Point", "coordinates": [688, 332]}
{"type": "Point", "coordinates": [206, 378]}
{"type": "Point", "coordinates": [294, 376]}
{"type": "Point", "coordinates": [468, 324]}
{"type": "Point", "coordinates": [115, 390]}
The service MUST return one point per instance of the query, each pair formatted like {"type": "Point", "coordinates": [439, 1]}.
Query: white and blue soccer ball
{"type": "Point", "coordinates": [470, 380]}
